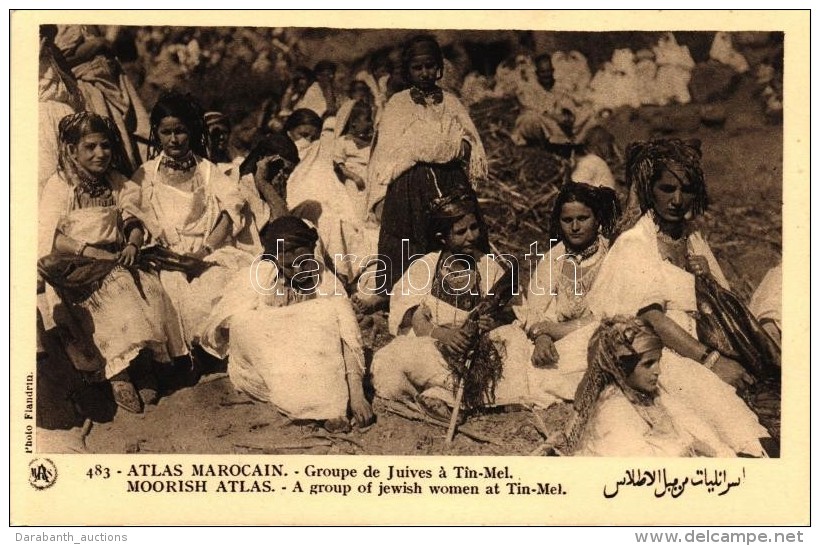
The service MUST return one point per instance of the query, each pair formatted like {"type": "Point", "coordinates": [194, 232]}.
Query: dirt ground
{"type": "Point", "coordinates": [743, 166]}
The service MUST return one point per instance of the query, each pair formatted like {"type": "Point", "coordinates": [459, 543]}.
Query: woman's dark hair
{"type": "Point", "coordinates": [356, 83]}
{"type": "Point", "coordinates": [49, 32]}
{"type": "Point", "coordinates": [324, 65]}
{"type": "Point", "coordinates": [359, 108]}
{"type": "Point", "coordinates": [302, 72]}
{"type": "Point", "coordinates": [422, 44]}
{"type": "Point", "coordinates": [303, 116]}
{"type": "Point", "coordinates": [646, 162]}
{"type": "Point", "coordinates": [272, 144]}
{"type": "Point", "coordinates": [602, 201]}
{"type": "Point", "coordinates": [189, 112]}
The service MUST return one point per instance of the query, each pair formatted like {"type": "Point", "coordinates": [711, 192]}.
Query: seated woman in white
{"type": "Point", "coordinates": [621, 411]}
{"type": "Point", "coordinates": [429, 310]}
{"type": "Point", "coordinates": [290, 334]}
{"type": "Point", "coordinates": [555, 314]}
{"type": "Point", "coordinates": [650, 273]}
{"type": "Point", "coordinates": [191, 208]}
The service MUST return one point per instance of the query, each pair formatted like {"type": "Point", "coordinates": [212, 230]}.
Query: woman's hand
{"type": "Point", "coordinates": [545, 327]}
{"type": "Point", "coordinates": [261, 177]}
{"type": "Point", "coordinates": [358, 180]}
{"type": "Point", "coordinates": [128, 256]}
{"type": "Point", "coordinates": [732, 372]}
{"type": "Point", "coordinates": [99, 254]}
{"type": "Point", "coordinates": [545, 355]}
{"type": "Point", "coordinates": [362, 411]}
{"type": "Point", "coordinates": [486, 323]}
{"type": "Point", "coordinates": [453, 339]}
{"type": "Point", "coordinates": [200, 254]}
{"type": "Point", "coordinates": [697, 264]}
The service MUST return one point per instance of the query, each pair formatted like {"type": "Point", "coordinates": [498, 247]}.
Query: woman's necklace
{"type": "Point", "coordinates": [585, 254]}
{"type": "Point", "coordinates": [184, 164]}
{"type": "Point", "coordinates": [426, 98]}
{"type": "Point", "coordinates": [90, 185]}
{"type": "Point", "coordinates": [672, 249]}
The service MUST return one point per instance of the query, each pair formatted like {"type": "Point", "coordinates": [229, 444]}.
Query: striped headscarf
{"type": "Point", "coordinates": [613, 352]}
{"type": "Point", "coordinates": [646, 161]}
{"type": "Point", "coordinates": [72, 129]}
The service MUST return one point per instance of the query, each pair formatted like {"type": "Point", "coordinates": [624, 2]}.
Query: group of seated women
{"type": "Point", "coordinates": [187, 255]}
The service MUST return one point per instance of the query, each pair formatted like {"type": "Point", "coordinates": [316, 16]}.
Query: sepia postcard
{"type": "Point", "coordinates": [409, 268]}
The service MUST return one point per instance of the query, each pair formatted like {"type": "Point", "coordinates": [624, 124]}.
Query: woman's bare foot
{"type": "Point", "coordinates": [337, 424]}
{"type": "Point", "coordinates": [362, 413]}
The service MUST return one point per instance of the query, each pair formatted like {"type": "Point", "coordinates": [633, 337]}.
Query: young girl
{"type": "Point", "coordinates": [620, 409]}
{"type": "Point", "coordinates": [303, 127]}
{"type": "Point", "coordinates": [352, 150]}
{"type": "Point", "coordinates": [426, 146]}
{"type": "Point", "coordinates": [90, 240]}
{"type": "Point", "coordinates": [191, 208]}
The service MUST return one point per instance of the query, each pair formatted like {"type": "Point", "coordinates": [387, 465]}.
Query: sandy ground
{"type": "Point", "coordinates": [743, 165]}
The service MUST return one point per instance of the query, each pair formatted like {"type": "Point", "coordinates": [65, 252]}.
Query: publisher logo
{"type": "Point", "coordinates": [42, 473]}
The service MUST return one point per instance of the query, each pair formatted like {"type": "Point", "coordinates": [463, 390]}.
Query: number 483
{"type": "Point", "coordinates": [98, 471]}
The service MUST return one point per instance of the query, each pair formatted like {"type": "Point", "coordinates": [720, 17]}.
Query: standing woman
{"type": "Point", "coordinates": [90, 238]}
{"type": "Point", "coordinates": [650, 273]}
{"type": "Point", "coordinates": [426, 147]}
{"type": "Point", "coordinates": [191, 208]}
{"type": "Point", "coordinates": [105, 87]}
{"type": "Point", "coordinates": [58, 96]}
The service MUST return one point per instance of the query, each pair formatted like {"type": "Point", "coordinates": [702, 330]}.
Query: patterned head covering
{"type": "Point", "coordinates": [217, 119]}
{"type": "Point", "coordinates": [613, 352]}
{"type": "Point", "coordinates": [446, 210]}
{"type": "Point", "coordinates": [452, 207]}
{"type": "Point", "coordinates": [72, 129]}
{"type": "Point", "coordinates": [423, 44]}
{"type": "Point", "coordinates": [270, 145]}
{"type": "Point", "coordinates": [646, 161]}
{"type": "Point", "coordinates": [294, 233]}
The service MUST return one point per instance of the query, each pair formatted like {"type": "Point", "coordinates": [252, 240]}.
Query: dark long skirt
{"type": "Point", "coordinates": [406, 216]}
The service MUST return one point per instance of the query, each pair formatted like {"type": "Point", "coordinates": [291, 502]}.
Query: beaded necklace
{"type": "Point", "coordinates": [184, 164]}
{"type": "Point", "coordinates": [434, 96]}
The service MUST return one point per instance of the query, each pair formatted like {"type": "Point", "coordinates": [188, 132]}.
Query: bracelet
{"type": "Point", "coordinates": [534, 337]}
{"type": "Point", "coordinates": [82, 249]}
{"type": "Point", "coordinates": [135, 245]}
{"type": "Point", "coordinates": [711, 360]}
